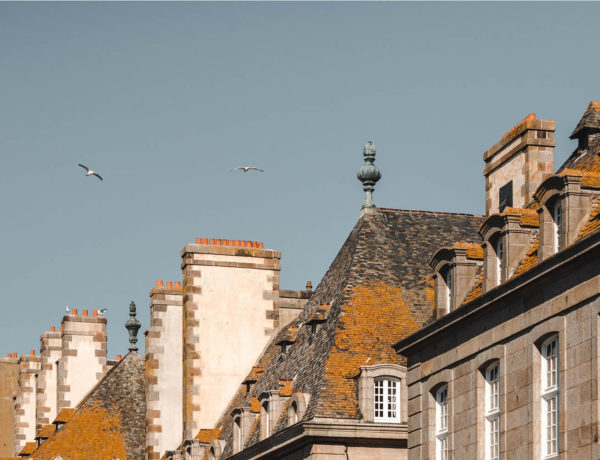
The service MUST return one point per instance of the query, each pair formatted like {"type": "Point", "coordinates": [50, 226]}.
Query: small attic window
{"type": "Point", "coordinates": [505, 196]}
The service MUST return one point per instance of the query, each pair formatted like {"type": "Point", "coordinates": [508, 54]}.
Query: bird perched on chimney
{"type": "Point", "coordinates": [67, 309]}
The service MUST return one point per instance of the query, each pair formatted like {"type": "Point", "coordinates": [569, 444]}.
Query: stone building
{"type": "Point", "coordinates": [510, 367]}
{"type": "Point", "coordinates": [432, 335]}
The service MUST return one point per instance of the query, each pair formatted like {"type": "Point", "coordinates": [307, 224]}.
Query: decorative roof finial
{"type": "Point", "coordinates": [369, 174]}
{"type": "Point", "coordinates": [132, 325]}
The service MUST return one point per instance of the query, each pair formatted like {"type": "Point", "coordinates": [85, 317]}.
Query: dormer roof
{"type": "Point", "coordinates": [589, 121]}
{"type": "Point", "coordinates": [525, 217]}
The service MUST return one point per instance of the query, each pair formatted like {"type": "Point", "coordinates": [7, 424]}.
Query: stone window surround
{"type": "Point", "coordinates": [431, 386]}
{"type": "Point", "coordinates": [482, 362]}
{"type": "Point", "coordinates": [300, 402]}
{"type": "Point", "coordinates": [271, 405]}
{"type": "Point", "coordinates": [366, 389]}
{"type": "Point", "coordinates": [215, 451]}
{"type": "Point", "coordinates": [537, 336]}
{"type": "Point", "coordinates": [247, 418]}
{"type": "Point", "coordinates": [575, 204]}
{"type": "Point", "coordinates": [453, 263]}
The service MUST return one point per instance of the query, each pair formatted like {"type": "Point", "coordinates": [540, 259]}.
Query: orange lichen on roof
{"type": "Point", "coordinates": [208, 435]}
{"type": "Point", "coordinates": [477, 289]}
{"type": "Point", "coordinates": [474, 251]}
{"type": "Point", "coordinates": [289, 335]}
{"type": "Point", "coordinates": [64, 415]}
{"type": "Point", "coordinates": [254, 374]}
{"type": "Point", "coordinates": [372, 320]}
{"type": "Point", "coordinates": [92, 433]}
{"type": "Point", "coordinates": [530, 259]}
{"type": "Point", "coordinates": [46, 431]}
{"type": "Point", "coordinates": [529, 217]}
{"type": "Point", "coordinates": [286, 388]}
{"type": "Point", "coordinates": [593, 223]}
{"type": "Point", "coordinates": [28, 449]}
{"type": "Point", "coordinates": [254, 405]}
{"type": "Point", "coordinates": [320, 314]}
{"type": "Point", "coordinates": [590, 179]}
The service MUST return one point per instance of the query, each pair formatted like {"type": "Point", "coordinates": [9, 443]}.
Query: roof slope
{"type": "Point", "coordinates": [590, 119]}
{"type": "Point", "coordinates": [378, 288]}
{"type": "Point", "coordinates": [109, 423]}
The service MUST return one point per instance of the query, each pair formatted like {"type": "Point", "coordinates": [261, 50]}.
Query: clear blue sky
{"type": "Point", "coordinates": [164, 99]}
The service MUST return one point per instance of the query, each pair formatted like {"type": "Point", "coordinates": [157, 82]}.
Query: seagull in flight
{"type": "Point", "coordinates": [90, 172]}
{"type": "Point", "coordinates": [102, 311]}
{"type": "Point", "coordinates": [247, 168]}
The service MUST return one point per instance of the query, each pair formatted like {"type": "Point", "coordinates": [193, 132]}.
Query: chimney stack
{"type": "Point", "coordinates": [518, 164]}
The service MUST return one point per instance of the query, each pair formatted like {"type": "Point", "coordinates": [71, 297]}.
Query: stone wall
{"type": "Point", "coordinates": [230, 304]}
{"type": "Point", "coordinates": [164, 370]}
{"type": "Point", "coordinates": [47, 395]}
{"type": "Point", "coordinates": [9, 384]}
{"type": "Point", "coordinates": [565, 302]}
{"type": "Point", "coordinates": [83, 361]}
{"type": "Point", "coordinates": [25, 403]}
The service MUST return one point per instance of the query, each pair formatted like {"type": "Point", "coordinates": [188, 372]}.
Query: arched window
{"type": "Point", "coordinates": [387, 400]}
{"type": "Point", "coordinates": [441, 423]}
{"type": "Point", "coordinates": [265, 420]}
{"type": "Point", "coordinates": [293, 413]}
{"type": "Point", "coordinates": [549, 390]}
{"type": "Point", "coordinates": [492, 411]}
{"type": "Point", "coordinates": [556, 224]}
{"type": "Point", "coordinates": [499, 248]}
{"type": "Point", "coordinates": [237, 435]}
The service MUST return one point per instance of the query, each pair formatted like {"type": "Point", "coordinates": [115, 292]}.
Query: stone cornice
{"type": "Point", "coordinates": [326, 430]}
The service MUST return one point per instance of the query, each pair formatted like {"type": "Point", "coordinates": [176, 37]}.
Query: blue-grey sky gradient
{"type": "Point", "coordinates": [163, 99]}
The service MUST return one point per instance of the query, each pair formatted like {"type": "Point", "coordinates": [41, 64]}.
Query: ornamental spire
{"type": "Point", "coordinates": [132, 325]}
{"type": "Point", "coordinates": [369, 174]}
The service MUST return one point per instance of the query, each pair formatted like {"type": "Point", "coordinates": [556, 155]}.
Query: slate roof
{"type": "Point", "coordinates": [378, 288]}
{"type": "Point", "coordinates": [109, 422]}
{"type": "Point", "coordinates": [582, 162]}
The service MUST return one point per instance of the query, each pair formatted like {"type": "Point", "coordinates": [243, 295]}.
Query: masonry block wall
{"type": "Point", "coordinates": [525, 156]}
{"type": "Point", "coordinates": [25, 403]}
{"type": "Point", "coordinates": [230, 305]}
{"type": "Point", "coordinates": [164, 370]}
{"type": "Point", "coordinates": [47, 395]}
{"type": "Point", "coordinates": [9, 385]}
{"type": "Point", "coordinates": [83, 361]}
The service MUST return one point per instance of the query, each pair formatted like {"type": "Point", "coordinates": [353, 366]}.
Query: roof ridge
{"type": "Point", "coordinates": [416, 211]}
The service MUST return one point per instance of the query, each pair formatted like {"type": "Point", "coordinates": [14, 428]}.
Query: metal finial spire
{"type": "Point", "coordinates": [132, 325]}
{"type": "Point", "coordinates": [369, 174]}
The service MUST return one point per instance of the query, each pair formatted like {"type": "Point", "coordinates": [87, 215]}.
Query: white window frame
{"type": "Point", "coordinates": [448, 281]}
{"type": "Point", "coordinates": [441, 423]}
{"type": "Point", "coordinates": [550, 390]}
{"type": "Point", "coordinates": [386, 400]}
{"type": "Point", "coordinates": [499, 248]}
{"type": "Point", "coordinates": [492, 411]}
{"type": "Point", "coordinates": [556, 224]}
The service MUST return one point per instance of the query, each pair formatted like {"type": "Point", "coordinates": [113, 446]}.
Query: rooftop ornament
{"type": "Point", "coordinates": [132, 325]}
{"type": "Point", "coordinates": [369, 174]}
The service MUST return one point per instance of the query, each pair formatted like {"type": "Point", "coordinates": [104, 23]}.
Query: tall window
{"type": "Point", "coordinates": [499, 256]}
{"type": "Point", "coordinates": [549, 393]}
{"type": "Point", "coordinates": [265, 420]}
{"type": "Point", "coordinates": [237, 434]}
{"type": "Point", "coordinates": [293, 414]}
{"type": "Point", "coordinates": [492, 412]}
{"type": "Point", "coordinates": [556, 224]}
{"type": "Point", "coordinates": [441, 423]}
{"type": "Point", "coordinates": [387, 400]}
{"type": "Point", "coordinates": [448, 280]}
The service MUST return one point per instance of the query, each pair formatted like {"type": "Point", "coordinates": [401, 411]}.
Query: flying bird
{"type": "Point", "coordinates": [90, 172]}
{"type": "Point", "coordinates": [102, 311]}
{"type": "Point", "coordinates": [247, 168]}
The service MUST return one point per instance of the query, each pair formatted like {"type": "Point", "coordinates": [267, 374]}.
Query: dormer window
{"type": "Point", "coordinates": [265, 420]}
{"type": "Point", "coordinates": [447, 277]}
{"type": "Point", "coordinates": [556, 224]}
{"type": "Point", "coordinates": [387, 400]}
{"type": "Point", "coordinates": [499, 250]}
{"type": "Point", "coordinates": [382, 393]}
{"type": "Point", "coordinates": [297, 408]}
{"type": "Point", "coordinates": [237, 434]}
